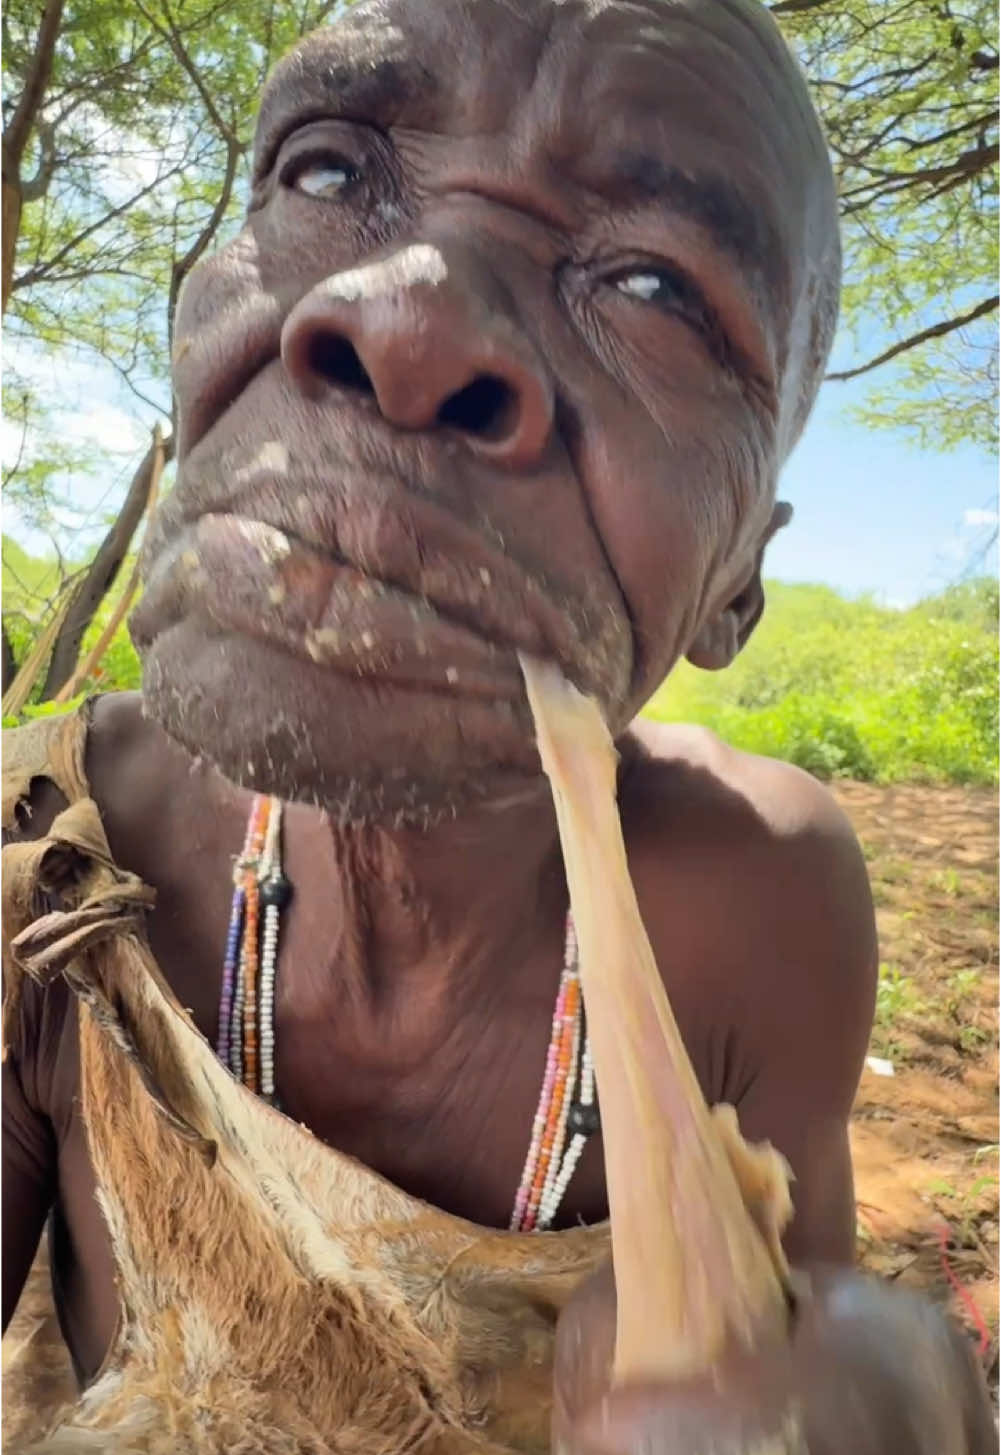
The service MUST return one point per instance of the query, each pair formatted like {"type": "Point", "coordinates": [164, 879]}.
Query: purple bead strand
{"type": "Point", "coordinates": [229, 976]}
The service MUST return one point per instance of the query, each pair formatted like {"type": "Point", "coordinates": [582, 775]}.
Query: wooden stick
{"type": "Point", "coordinates": [30, 669]}
{"type": "Point", "coordinates": [86, 668]}
{"type": "Point", "coordinates": [693, 1265]}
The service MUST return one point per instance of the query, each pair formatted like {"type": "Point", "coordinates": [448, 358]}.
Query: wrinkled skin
{"type": "Point", "coordinates": [531, 302]}
{"type": "Point", "coordinates": [508, 366]}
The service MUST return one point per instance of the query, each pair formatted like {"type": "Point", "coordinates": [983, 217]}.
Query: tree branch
{"type": "Point", "coordinates": [103, 569]}
{"type": "Point", "coordinates": [172, 36]}
{"type": "Point", "coordinates": [968, 162]}
{"type": "Point", "coordinates": [16, 134]}
{"type": "Point", "coordinates": [972, 124]}
{"type": "Point", "coordinates": [791, 7]}
{"type": "Point", "coordinates": [37, 186]}
{"type": "Point", "coordinates": [11, 471]}
{"type": "Point", "coordinates": [43, 270]}
{"type": "Point", "coordinates": [183, 266]}
{"type": "Point", "coordinates": [9, 668]}
{"type": "Point", "coordinates": [92, 661]}
{"type": "Point", "coordinates": [937, 330]}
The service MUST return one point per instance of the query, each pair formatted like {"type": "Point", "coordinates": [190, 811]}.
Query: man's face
{"type": "Point", "coordinates": [504, 358]}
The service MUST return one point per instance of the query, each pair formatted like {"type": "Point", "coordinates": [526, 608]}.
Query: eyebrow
{"type": "Point", "coordinates": [710, 200]}
{"type": "Point", "coordinates": [376, 91]}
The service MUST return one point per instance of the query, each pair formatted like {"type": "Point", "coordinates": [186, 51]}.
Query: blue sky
{"type": "Point", "coordinates": [873, 513]}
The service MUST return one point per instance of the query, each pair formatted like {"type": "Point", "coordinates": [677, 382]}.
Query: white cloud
{"type": "Point", "coordinates": [980, 517]}
{"type": "Point", "coordinates": [87, 403]}
{"type": "Point", "coordinates": [109, 428]}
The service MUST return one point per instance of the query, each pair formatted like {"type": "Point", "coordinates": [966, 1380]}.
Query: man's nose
{"type": "Point", "coordinates": [430, 337]}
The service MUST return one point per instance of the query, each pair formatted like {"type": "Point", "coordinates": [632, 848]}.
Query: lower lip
{"type": "Point", "coordinates": [250, 579]}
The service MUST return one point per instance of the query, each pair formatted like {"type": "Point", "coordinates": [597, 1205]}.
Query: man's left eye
{"type": "Point", "coordinates": [656, 285]}
{"type": "Point", "coordinates": [324, 179]}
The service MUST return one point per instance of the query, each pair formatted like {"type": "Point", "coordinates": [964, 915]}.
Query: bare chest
{"type": "Point", "coordinates": [437, 1099]}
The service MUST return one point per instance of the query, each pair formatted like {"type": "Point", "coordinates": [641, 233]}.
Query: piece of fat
{"type": "Point", "coordinates": [695, 1211]}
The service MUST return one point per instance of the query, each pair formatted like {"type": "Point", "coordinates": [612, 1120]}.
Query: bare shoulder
{"type": "Point", "coordinates": [676, 768]}
{"type": "Point", "coordinates": [748, 870]}
{"type": "Point", "coordinates": [127, 756]}
{"type": "Point", "coordinates": [128, 766]}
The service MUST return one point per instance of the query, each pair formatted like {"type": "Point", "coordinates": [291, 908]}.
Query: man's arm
{"type": "Point", "coordinates": [29, 1183]}
{"type": "Point", "coordinates": [809, 1012]}
{"type": "Point", "coordinates": [28, 1165]}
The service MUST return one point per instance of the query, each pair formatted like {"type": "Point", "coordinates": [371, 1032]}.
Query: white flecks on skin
{"type": "Point", "coordinates": [271, 457]}
{"type": "Point", "coordinates": [451, 674]}
{"type": "Point", "coordinates": [485, 576]}
{"type": "Point", "coordinates": [418, 264]}
{"type": "Point", "coordinates": [271, 545]}
{"type": "Point", "coordinates": [322, 643]}
{"type": "Point", "coordinates": [367, 641]}
{"type": "Point", "coordinates": [276, 593]}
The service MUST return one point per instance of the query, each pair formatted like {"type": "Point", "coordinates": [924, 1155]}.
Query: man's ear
{"type": "Point", "coordinates": [721, 637]}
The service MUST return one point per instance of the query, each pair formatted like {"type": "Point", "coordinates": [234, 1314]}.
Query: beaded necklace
{"type": "Point", "coordinates": [246, 1036]}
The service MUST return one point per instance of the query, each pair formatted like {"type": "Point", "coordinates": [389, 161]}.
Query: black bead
{"type": "Point", "coordinates": [276, 890]}
{"type": "Point", "coordinates": [583, 1120]}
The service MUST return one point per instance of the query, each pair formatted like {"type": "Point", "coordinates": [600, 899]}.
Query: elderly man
{"type": "Point", "coordinates": [531, 302]}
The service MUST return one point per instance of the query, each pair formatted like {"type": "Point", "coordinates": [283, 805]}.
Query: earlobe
{"type": "Point", "coordinates": [720, 638]}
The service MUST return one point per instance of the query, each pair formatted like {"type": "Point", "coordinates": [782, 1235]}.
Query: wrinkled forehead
{"type": "Point", "coordinates": [680, 74]}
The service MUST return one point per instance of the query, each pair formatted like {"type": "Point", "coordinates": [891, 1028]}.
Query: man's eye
{"type": "Point", "coordinates": [326, 178]}
{"type": "Point", "coordinates": [673, 293]}
{"type": "Point", "coordinates": [656, 285]}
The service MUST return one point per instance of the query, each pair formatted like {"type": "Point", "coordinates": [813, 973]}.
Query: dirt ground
{"type": "Point", "coordinates": [925, 1141]}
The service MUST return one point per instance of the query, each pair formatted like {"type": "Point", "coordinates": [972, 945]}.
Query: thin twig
{"type": "Point", "coordinates": [937, 330]}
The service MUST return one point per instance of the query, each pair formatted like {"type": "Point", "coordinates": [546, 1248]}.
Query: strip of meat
{"type": "Point", "coordinates": [695, 1211]}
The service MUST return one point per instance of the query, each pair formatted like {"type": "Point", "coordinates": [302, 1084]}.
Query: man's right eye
{"type": "Point", "coordinates": [323, 177]}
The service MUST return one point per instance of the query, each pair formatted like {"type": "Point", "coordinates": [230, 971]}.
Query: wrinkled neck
{"type": "Point", "coordinates": [437, 911]}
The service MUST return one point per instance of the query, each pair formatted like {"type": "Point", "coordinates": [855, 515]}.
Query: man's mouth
{"type": "Point", "coordinates": [244, 576]}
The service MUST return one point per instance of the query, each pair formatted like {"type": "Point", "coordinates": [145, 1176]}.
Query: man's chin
{"type": "Point", "coordinates": [366, 751]}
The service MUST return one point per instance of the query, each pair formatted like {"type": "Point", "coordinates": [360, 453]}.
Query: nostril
{"type": "Point", "coordinates": [335, 359]}
{"type": "Point", "coordinates": [487, 407]}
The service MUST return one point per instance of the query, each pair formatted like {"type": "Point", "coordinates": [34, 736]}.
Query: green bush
{"type": "Point", "coordinates": [851, 689]}
{"type": "Point", "coordinates": [28, 585]}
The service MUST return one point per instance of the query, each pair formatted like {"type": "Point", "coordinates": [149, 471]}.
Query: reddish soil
{"type": "Point", "coordinates": [925, 1140]}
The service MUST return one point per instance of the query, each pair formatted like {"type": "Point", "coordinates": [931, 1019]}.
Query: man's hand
{"type": "Point", "coordinates": [866, 1370]}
